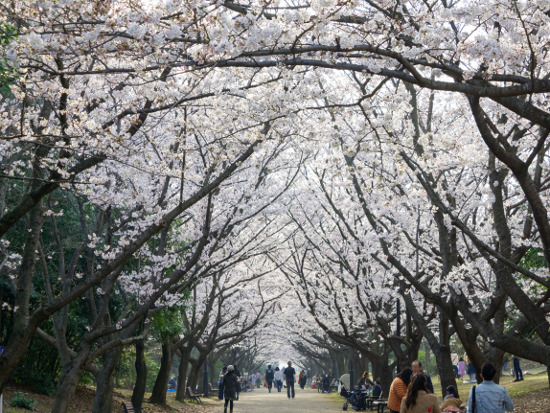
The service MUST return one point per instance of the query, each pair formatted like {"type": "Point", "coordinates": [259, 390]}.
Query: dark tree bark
{"type": "Point", "coordinates": [182, 370]}
{"type": "Point", "coordinates": [158, 394]}
{"type": "Point", "coordinates": [141, 376]}
{"type": "Point", "coordinates": [68, 382]}
{"type": "Point", "coordinates": [103, 400]}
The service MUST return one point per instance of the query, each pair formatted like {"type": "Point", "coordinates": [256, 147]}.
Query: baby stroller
{"type": "Point", "coordinates": [357, 399]}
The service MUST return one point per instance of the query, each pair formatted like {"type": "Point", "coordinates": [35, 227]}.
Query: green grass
{"type": "Point", "coordinates": [530, 383]}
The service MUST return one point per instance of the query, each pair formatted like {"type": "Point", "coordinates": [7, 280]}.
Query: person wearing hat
{"type": "Point", "coordinates": [229, 388]}
{"type": "Point", "coordinates": [451, 402]}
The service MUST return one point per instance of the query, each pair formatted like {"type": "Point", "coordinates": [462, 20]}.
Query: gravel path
{"type": "Point", "coordinates": [306, 401]}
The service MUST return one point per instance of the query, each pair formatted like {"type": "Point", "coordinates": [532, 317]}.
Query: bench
{"type": "Point", "coordinates": [194, 397]}
{"type": "Point", "coordinates": [128, 408]}
{"type": "Point", "coordinates": [378, 403]}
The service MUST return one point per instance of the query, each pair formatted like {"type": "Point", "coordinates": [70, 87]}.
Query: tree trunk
{"type": "Point", "coordinates": [22, 334]}
{"type": "Point", "coordinates": [103, 400]}
{"type": "Point", "coordinates": [182, 372]}
{"type": "Point", "coordinates": [445, 367]}
{"type": "Point", "coordinates": [381, 371]}
{"type": "Point", "coordinates": [158, 395]}
{"type": "Point", "coordinates": [70, 377]}
{"type": "Point", "coordinates": [141, 376]}
{"type": "Point", "coordinates": [194, 374]}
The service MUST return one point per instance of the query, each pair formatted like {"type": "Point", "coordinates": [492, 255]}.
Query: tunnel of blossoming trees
{"type": "Point", "coordinates": [348, 184]}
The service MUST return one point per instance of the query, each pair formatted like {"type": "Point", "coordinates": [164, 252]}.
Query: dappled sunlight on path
{"type": "Point", "coordinates": [306, 401]}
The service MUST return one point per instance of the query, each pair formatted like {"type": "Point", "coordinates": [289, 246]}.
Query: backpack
{"type": "Point", "coordinates": [269, 374]}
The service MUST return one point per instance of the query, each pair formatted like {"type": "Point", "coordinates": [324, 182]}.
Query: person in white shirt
{"type": "Point", "coordinates": [278, 377]}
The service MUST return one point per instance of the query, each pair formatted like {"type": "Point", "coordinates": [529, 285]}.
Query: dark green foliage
{"type": "Point", "coordinates": [39, 368]}
{"type": "Point", "coordinates": [22, 400]}
{"type": "Point", "coordinates": [534, 258]}
{"type": "Point", "coordinates": [8, 70]}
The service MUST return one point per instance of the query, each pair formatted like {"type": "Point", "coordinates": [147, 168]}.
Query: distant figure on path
{"type": "Point", "coordinates": [489, 397]}
{"type": "Point", "coordinates": [517, 370]}
{"type": "Point", "coordinates": [326, 384]}
{"type": "Point", "coordinates": [220, 382]}
{"type": "Point", "coordinates": [269, 376]}
{"type": "Point", "coordinates": [230, 381]}
{"type": "Point", "coordinates": [238, 374]}
{"type": "Point", "coordinates": [461, 367]}
{"type": "Point", "coordinates": [419, 399]}
{"type": "Point", "coordinates": [289, 377]}
{"type": "Point", "coordinates": [302, 380]}
{"type": "Point", "coordinates": [278, 377]}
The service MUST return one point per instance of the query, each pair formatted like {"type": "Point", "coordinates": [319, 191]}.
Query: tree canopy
{"type": "Point", "coordinates": [291, 177]}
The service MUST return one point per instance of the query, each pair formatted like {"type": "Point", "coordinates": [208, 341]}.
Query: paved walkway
{"type": "Point", "coordinates": [306, 401]}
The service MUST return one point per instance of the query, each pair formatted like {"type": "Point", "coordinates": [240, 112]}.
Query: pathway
{"type": "Point", "coordinates": [306, 401]}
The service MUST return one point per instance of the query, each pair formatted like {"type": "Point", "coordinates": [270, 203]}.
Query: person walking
{"type": "Point", "coordinates": [302, 379]}
{"type": "Point", "coordinates": [269, 376]}
{"type": "Point", "coordinates": [517, 370]}
{"type": "Point", "coordinates": [289, 378]}
{"type": "Point", "coordinates": [278, 377]}
{"type": "Point", "coordinates": [258, 380]}
{"type": "Point", "coordinates": [326, 384]}
{"type": "Point", "coordinates": [230, 381]}
{"type": "Point", "coordinates": [489, 397]}
{"type": "Point", "coordinates": [220, 382]}
{"type": "Point", "coordinates": [417, 369]}
{"type": "Point", "coordinates": [398, 389]}
{"type": "Point", "coordinates": [418, 399]}
{"type": "Point", "coordinates": [238, 374]}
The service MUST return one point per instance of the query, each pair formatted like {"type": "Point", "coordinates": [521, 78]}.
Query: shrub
{"type": "Point", "coordinates": [42, 384]}
{"type": "Point", "coordinates": [22, 400]}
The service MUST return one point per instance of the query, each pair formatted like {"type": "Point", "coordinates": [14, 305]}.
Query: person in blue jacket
{"type": "Point", "coordinates": [220, 382]}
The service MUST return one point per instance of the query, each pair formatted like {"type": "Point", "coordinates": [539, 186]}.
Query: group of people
{"type": "Point", "coordinates": [412, 392]}
{"type": "Point", "coordinates": [229, 383]}
{"type": "Point", "coordinates": [372, 388]}
{"type": "Point", "coordinates": [322, 383]}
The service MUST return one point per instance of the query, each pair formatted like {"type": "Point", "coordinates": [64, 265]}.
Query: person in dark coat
{"type": "Point", "coordinates": [269, 376]}
{"type": "Point", "coordinates": [302, 379]}
{"type": "Point", "coordinates": [417, 369]}
{"type": "Point", "coordinates": [230, 381]}
{"type": "Point", "coordinates": [326, 384]}
{"type": "Point", "coordinates": [290, 380]}
{"type": "Point", "coordinates": [238, 374]}
{"type": "Point", "coordinates": [376, 389]}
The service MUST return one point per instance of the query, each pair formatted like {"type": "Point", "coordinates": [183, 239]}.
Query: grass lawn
{"type": "Point", "coordinates": [530, 383]}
